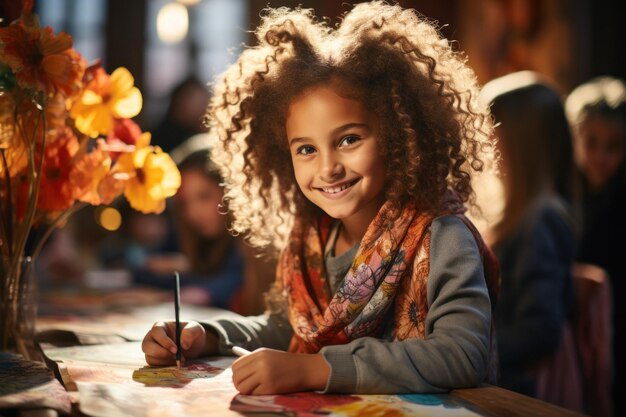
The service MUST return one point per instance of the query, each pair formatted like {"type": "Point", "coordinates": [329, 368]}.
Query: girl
{"type": "Point", "coordinates": [597, 112]}
{"type": "Point", "coordinates": [217, 269]}
{"type": "Point", "coordinates": [212, 265]}
{"type": "Point", "coordinates": [360, 142]}
{"type": "Point", "coordinates": [534, 240]}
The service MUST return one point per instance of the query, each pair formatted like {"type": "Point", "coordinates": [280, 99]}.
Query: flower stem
{"type": "Point", "coordinates": [35, 180]}
{"type": "Point", "coordinates": [7, 230]}
{"type": "Point", "coordinates": [33, 194]}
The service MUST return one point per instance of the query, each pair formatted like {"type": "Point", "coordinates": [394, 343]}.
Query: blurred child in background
{"type": "Point", "coordinates": [183, 117]}
{"type": "Point", "coordinates": [535, 238]}
{"type": "Point", "coordinates": [216, 268]}
{"type": "Point", "coordinates": [597, 112]}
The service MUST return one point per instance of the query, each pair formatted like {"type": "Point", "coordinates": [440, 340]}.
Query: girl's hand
{"type": "Point", "coordinates": [268, 371]}
{"type": "Point", "coordinates": [159, 343]}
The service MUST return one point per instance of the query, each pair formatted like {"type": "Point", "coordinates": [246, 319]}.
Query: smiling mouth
{"type": "Point", "coordinates": [339, 188]}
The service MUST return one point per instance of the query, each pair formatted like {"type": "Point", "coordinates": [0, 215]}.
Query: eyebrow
{"type": "Point", "coordinates": [335, 131]}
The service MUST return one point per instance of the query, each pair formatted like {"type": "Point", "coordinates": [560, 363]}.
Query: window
{"type": "Point", "coordinates": [215, 34]}
{"type": "Point", "coordinates": [84, 20]}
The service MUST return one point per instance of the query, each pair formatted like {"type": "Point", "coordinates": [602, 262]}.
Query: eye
{"type": "Point", "coordinates": [349, 140]}
{"type": "Point", "coordinates": [305, 150]}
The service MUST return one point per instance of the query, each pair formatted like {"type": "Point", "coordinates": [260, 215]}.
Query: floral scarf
{"type": "Point", "coordinates": [390, 251]}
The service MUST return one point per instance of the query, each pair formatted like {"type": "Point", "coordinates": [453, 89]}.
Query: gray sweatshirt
{"type": "Point", "coordinates": [454, 353]}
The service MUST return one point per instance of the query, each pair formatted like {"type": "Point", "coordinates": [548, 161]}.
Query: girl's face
{"type": "Point", "coordinates": [200, 197]}
{"type": "Point", "coordinates": [335, 154]}
{"type": "Point", "coordinates": [601, 148]}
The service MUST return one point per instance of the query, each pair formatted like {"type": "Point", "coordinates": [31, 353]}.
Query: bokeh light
{"type": "Point", "coordinates": [172, 23]}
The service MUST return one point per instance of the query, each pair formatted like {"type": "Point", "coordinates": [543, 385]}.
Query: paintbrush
{"type": "Point", "coordinates": [177, 312]}
{"type": "Point", "coordinates": [239, 351]}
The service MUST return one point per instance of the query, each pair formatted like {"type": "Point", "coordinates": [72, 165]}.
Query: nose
{"type": "Point", "coordinates": [330, 167]}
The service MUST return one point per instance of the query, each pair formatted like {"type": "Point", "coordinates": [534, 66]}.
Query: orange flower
{"type": "Point", "coordinates": [104, 99]}
{"type": "Point", "coordinates": [124, 130]}
{"type": "Point", "coordinates": [55, 190]}
{"type": "Point", "coordinates": [126, 136]}
{"type": "Point", "coordinates": [92, 180]}
{"type": "Point", "coordinates": [40, 59]}
{"type": "Point", "coordinates": [110, 188]}
{"type": "Point", "coordinates": [152, 177]}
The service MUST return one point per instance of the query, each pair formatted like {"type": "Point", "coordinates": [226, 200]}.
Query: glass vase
{"type": "Point", "coordinates": [18, 314]}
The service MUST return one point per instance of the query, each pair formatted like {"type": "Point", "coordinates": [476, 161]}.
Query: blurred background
{"type": "Point", "coordinates": [174, 48]}
{"type": "Point", "coordinates": [163, 42]}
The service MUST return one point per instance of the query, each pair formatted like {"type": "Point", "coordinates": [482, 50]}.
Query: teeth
{"type": "Point", "coordinates": [334, 190]}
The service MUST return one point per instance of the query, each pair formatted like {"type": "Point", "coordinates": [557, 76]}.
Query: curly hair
{"type": "Point", "coordinates": [434, 132]}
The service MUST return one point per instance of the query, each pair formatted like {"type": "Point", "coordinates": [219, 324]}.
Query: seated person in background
{"type": "Point", "coordinates": [597, 112]}
{"type": "Point", "coordinates": [535, 238]}
{"type": "Point", "coordinates": [216, 268]}
{"type": "Point", "coordinates": [183, 117]}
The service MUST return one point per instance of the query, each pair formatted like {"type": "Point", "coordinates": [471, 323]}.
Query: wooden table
{"type": "Point", "coordinates": [131, 325]}
{"type": "Point", "coordinates": [496, 401]}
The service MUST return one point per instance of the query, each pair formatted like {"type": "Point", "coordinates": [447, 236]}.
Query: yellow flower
{"type": "Point", "coordinates": [152, 177]}
{"type": "Point", "coordinates": [104, 99]}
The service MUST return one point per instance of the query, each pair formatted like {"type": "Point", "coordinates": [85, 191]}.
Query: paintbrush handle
{"type": "Point", "coordinates": [177, 312]}
{"type": "Point", "coordinates": [239, 351]}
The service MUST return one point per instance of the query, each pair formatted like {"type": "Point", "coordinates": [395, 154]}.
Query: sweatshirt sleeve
{"type": "Point", "coordinates": [252, 332]}
{"type": "Point", "coordinates": [455, 351]}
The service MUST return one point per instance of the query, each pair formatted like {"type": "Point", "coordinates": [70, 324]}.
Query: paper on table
{"type": "Point", "coordinates": [166, 376]}
{"type": "Point", "coordinates": [112, 378]}
{"type": "Point", "coordinates": [29, 384]}
{"type": "Point", "coordinates": [313, 404]}
{"type": "Point", "coordinates": [114, 400]}
{"type": "Point", "coordinates": [126, 353]}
